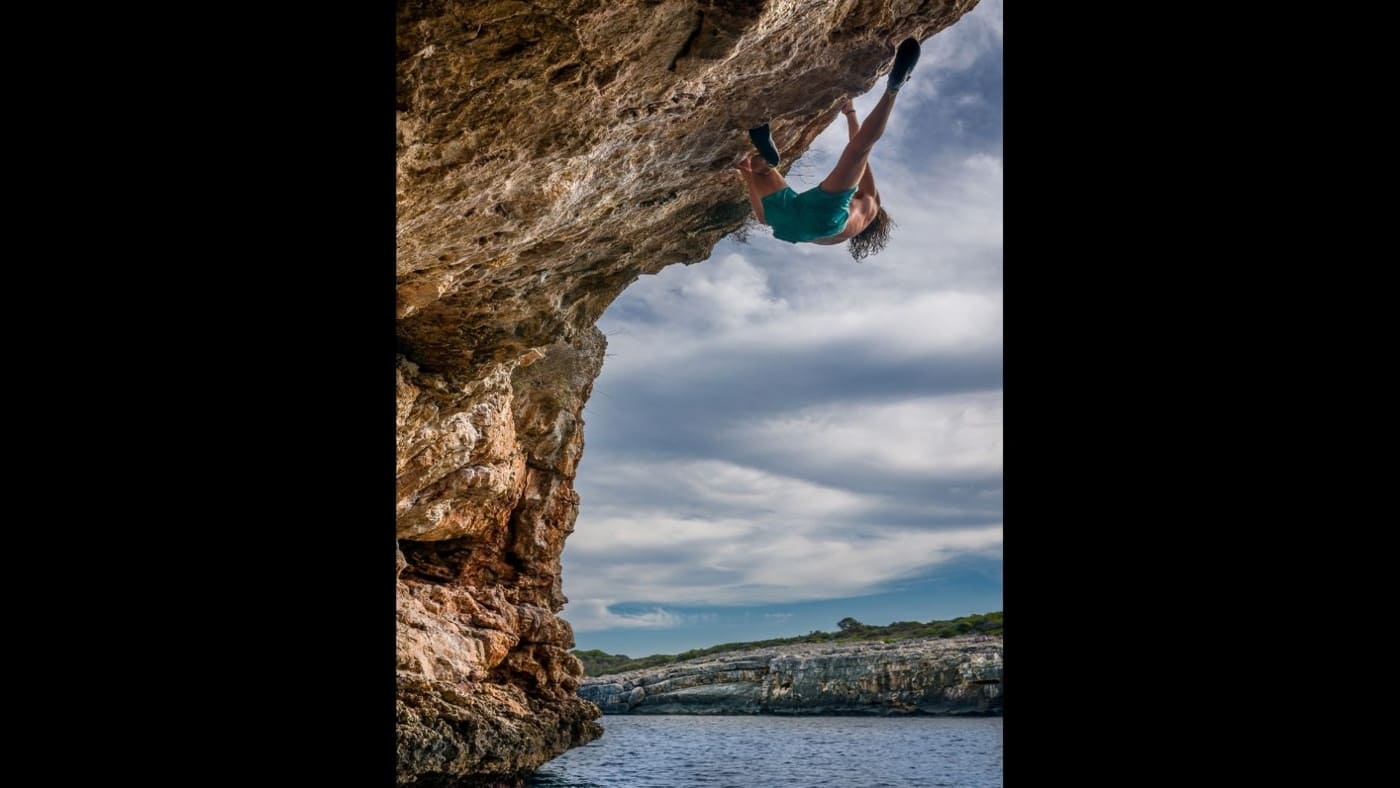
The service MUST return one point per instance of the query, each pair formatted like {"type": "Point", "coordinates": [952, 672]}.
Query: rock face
{"type": "Point", "coordinates": [486, 685]}
{"type": "Point", "coordinates": [548, 154]}
{"type": "Point", "coordinates": [945, 677]}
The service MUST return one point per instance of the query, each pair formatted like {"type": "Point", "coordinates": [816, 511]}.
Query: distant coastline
{"type": "Point", "coordinates": [849, 630]}
{"type": "Point", "coordinates": [931, 676]}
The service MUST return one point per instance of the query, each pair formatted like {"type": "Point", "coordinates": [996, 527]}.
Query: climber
{"type": "Point", "coordinates": [844, 207]}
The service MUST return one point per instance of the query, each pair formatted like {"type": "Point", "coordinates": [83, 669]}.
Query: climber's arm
{"type": "Point", "coordinates": [754, 198]}
{"type": "Point", "coordinates": [867, 178]}
{"type": "Point", "coordinates": [867, 183]}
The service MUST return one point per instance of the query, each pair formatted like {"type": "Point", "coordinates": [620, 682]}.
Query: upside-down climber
{"type": "Point", "coordinates": [846, 205]}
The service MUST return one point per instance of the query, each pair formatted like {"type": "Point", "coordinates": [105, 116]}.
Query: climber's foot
{"type": "Point", "coordinates": [904, 59]}
{"type": "Point", "coordinates": [762, 139]}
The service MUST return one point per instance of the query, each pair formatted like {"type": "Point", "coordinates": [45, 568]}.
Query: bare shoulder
{"type": "Point", "coordinates": [859, 214]}
{"type": "Point", "coordinates": [863, 209]}
{"type": "Point", "coordinates": [867, 202]}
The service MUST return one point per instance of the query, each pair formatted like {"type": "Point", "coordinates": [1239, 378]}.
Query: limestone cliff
{"type": "Point", "coordinates": [548, 154]}
{"type": "Point", "coordinates": [933, 676]}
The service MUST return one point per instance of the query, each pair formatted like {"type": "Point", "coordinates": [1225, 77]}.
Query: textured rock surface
{"type": "Point", "coordinates": [548, 154]}
{"type": "Point", "coordinates": [936, 676]}
{"type": "Point", "coordinates": [486, 682]}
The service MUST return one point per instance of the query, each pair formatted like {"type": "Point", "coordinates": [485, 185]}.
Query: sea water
{"type": "Point", "coordinates": [675, 751]}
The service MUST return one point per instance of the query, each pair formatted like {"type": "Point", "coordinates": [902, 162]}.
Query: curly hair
{"type": "Point", "coordinates": [873, 238]}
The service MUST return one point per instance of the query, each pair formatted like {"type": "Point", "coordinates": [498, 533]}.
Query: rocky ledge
{"type": "Point", "coordinates": [548, 154]}
{"type": "Point", "coordinates": [935, 676]}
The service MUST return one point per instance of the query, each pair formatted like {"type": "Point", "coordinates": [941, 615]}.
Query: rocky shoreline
{"type": "Point", "coordinates": [936, 676]}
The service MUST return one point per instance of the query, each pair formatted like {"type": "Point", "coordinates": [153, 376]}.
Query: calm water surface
{"type": "Point", "coordinates": [782, 752]}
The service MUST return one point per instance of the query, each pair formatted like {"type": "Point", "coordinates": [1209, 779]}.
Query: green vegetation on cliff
{"type": "Point", "coordinates": [600, 663]}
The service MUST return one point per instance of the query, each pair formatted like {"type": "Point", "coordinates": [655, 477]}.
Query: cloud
{"type": "Point", "coordinates": [777, 563]}
{"type": "Point", "coordinates": [955, 436]}
{"type": "Point", "coordinates": [706, 532]}
{"type": "Point", "coordinates": [594, 615]}
{"type": "Point", "coordinates": [756, 322]}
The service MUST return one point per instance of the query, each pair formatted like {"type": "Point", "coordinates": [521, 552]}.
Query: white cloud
{"type": "Point", "coordinates": [731, 294]}
{"type": "Point", "coordinates": [686, 503]}
{"type": "Point", "coordinates": [885, 320]}
{"type": "Point", "coordinates": [779, 562]}
{"type": "Point", "coordinates": [737, 535]}
{"type": "Point", "coordinates": [957, 435]}
{"type": "Point", "coordinates": [594, 615]}
{"type": "Point", "coordinates": [912, 324]}
{"type": "Point", "coordinates": [795, 566]}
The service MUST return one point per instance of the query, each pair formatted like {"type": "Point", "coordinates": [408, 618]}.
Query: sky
{"type": "Point", "coordinates": [782, 437]}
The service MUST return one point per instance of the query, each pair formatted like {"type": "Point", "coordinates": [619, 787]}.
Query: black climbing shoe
{"type": "Point", "coordinates": [762, 139]}
{"type": "Point", "coordinates": [904, 59]}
